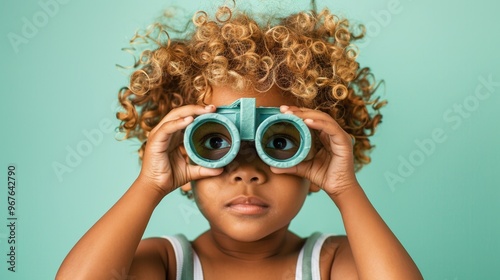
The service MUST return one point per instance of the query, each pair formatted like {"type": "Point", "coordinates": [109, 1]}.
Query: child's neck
{"type": "Point", "coordinates": [279, 243]}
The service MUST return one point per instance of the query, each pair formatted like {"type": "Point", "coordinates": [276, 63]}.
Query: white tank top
{"type": "Point", "coordinates": [189, 265]}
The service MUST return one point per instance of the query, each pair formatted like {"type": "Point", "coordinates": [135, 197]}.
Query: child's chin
{"type": "Point", "coordinates": [249, 233]}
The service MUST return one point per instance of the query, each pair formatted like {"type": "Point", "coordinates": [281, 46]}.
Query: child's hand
{"type": "Point", "coordinates": [332, 167]}
{"type": "Point", "coordinates": [164, 165]}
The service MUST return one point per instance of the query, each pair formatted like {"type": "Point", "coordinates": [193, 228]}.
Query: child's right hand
{"type": "Point", "coordinates": [104, 249]}
{"type": "Point", "coordinates": [165, 166]}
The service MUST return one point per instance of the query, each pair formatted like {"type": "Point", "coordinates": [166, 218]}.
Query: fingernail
{"type": "Point", "coordinates": [308, 121]}
{"type": "Point", "coordinates": [209, 107]}
{"type": "Point", "coordinates": [284, 107]}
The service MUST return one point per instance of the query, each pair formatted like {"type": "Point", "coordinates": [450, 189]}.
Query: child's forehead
{"type": "Point", "coordinates": [274, 97]}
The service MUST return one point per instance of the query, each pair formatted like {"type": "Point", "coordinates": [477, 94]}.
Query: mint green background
{"type": "Point", "coordinates": [431, 55]}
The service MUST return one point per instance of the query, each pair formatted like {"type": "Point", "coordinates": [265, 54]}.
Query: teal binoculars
{"type": "Point", "coordinates": [213, 140]}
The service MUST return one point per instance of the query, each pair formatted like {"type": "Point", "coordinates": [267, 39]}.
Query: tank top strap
{"type": "Point", "coordinates": [183, 256]}
{"type": "Point", "coordinates": [308, 261]}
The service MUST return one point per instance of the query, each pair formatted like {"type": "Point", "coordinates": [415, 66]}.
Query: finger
{"type": "Point", "coordinates": [167, 129]}
{"type": "Point", "coordinates": [330, 130]}
{"type": "Point", "coordinates": [196, 172]}
{"type": "Point", "coordinates": [189, 110]}
{"type": "Point", "coordinates": [298, 170]}
{"type": "Point", "coordinates": [287, 108]}
{"type": "Point", "coordinates": [315, 116]}
{"type": "Point", "coordinates": [290, 170]}
{"type": "Point", "coordinates": [305, 113]}
{"type": "Point", "coordinates": [184, 111]}
{"type": "Point", "coordinates": [336, 134]}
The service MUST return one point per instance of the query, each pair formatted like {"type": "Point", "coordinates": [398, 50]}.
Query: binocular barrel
{"type": "Point", "coordinates": [214, 140]}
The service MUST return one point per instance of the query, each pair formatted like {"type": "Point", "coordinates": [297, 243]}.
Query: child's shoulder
{"type": "Point", "coordinates": [336, 259]}
{"type": "Point", "coordinates": [154, 259]}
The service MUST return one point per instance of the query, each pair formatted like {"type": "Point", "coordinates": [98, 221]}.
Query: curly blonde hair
{"type": "Point", "coordinates": [309, 55]}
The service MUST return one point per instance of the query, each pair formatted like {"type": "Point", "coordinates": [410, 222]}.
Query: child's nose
{"type": "Point", "coordinates": [247, 167]}
{"type": "Point", "coordinates": [248, 175]}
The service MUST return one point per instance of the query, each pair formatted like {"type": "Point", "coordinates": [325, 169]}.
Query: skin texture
{"type": "Point", "coordinates": [243, 242]}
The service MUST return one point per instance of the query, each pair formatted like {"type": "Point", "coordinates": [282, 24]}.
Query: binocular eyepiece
{"type": "Point", "coordinates": [213, 140]}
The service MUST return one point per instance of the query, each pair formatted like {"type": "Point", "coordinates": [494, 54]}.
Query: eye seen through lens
{"type": "Point", "coordinates": [212, 141]}
{"type": "Point", "coordinates": [281, 140]}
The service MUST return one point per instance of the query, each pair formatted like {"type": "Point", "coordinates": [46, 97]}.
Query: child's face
{"type": "Point", "coordinates": [247, 201]}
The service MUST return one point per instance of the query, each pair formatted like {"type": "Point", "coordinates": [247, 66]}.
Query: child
{"type": "Point", "coordinates": [305, 64]}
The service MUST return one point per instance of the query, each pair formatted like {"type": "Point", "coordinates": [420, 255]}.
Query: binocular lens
{"type": "Point", "coordinates": [281, 141]}
{"type": "Point", "coordinates": [212, 140]}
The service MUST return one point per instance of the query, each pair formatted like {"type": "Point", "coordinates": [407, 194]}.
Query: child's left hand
{"type": "Point", "coordinates": [332, 167]}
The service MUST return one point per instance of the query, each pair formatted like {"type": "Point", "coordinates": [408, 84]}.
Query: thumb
{"type": "Point", "coordinates": [299, 169]}
{"type": "Point", "coordinates": [197, 172]}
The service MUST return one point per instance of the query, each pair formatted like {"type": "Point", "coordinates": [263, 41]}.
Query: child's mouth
{"type": "Point", "coordinates": [248, 205]}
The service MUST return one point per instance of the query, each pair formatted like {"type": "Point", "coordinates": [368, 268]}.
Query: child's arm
{"type": "Point", "coordinates": [375, 250]}
{"type": "Point", "coordinates": [107, 250]}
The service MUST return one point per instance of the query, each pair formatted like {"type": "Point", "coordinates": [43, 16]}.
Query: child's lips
{"type": "Point", "coordinates": [248, 205]}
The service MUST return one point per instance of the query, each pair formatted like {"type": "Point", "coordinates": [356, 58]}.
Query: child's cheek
{"type": "Point", "coordinates": [206, 190]}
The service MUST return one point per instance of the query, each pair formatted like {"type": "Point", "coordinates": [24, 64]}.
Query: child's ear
{"type": "Point", "coordinates": [314, 188]}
